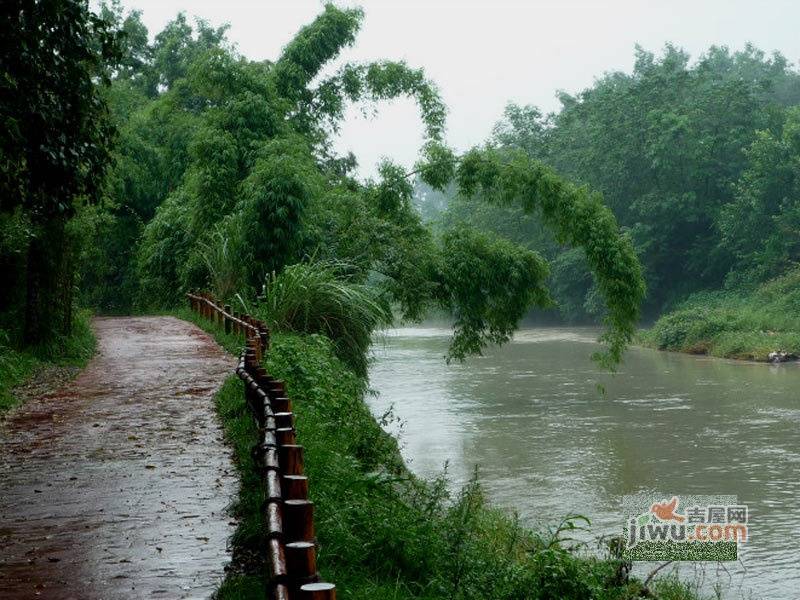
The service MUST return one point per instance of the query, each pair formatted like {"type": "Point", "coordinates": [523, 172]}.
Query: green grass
{"type": "Point", "coordinates": [384, 533]}
{"type": "Point", "coordinates": [734, 325]}
{"type": "Point", "coordinates": [242, 433]}
{"type": "Point", "coordinates": [18, 366]}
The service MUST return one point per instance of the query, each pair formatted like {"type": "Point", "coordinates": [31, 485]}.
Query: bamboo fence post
{"type": "Point", "coordinates": [287, 512]}
{"type": "Point", "coordinates": [301, 562]}
{"type": "Point", "coordinates": [290, 458]}
{"type": "Point", "coordinates": [281, 405]}
{"type": "Point", "coordinates": [318, 591]}
{"type": "Point", "coordinates": [284, 419]}
{"type": "Point", "coordinates": [294, 487]}
{"type": "Point", "coordinates": [285, 436]}
{"type": "Point", "coordinates": [227, 308]}
{"type": "Point", "coordinates": [298, 520]}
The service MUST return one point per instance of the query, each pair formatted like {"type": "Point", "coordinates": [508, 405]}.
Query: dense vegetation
{"type": "Point", "coordinates": [697, 160]}
{"type": "Point", "coordinates": [178, 164]}
{"type": "Point", "coordinates": [55, 145]}
{"type": "Point", "coordinates": [384, 533]}
{"type": "Point", "coordinates": [734, 323]}
{"type": "Point", "coordinates": [135, 170]}
{"type": "Point", "coordinates": [221, 176]}
{"type": "Point", "coordinates": [52, 362]}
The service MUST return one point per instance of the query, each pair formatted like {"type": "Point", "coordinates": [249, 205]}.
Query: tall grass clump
{"type": "Point", "coordinates": [225, 273]}
{"type": "Point", "coordinates": [319, 298]}
{"type": "Point", "coordinates": [15, 368]}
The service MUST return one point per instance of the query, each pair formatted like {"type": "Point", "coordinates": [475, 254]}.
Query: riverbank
{"type": "Point", "coordinates": [53, 363]}
{"type": "Point", "coordinates": [737, 325]}
{"type": "Point", "coordinates": [383, 532]}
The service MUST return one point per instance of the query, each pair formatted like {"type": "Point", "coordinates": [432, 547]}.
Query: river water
{"type": "Point", "coordinates": [547, 443]}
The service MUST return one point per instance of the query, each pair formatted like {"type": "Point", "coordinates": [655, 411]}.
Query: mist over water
{"type": "Point", "coordinates": [547, 443]}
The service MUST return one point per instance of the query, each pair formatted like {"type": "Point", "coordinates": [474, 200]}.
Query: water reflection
{"type": "Point", "coordinates": [530, 416]}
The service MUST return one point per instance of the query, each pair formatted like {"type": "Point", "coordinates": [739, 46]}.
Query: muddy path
{"type": "Point", "coordinates": [117, 485]}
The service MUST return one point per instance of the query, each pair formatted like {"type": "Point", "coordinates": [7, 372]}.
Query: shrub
{"type": "Point", "coordinates": [223, 264]}
{"type": "Point", "coordinates": [743, 325]}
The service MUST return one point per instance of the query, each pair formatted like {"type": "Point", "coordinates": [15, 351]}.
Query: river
{"type": "Point", "coordinates": [547, 443]}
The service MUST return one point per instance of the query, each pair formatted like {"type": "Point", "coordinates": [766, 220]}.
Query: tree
{"type": "Point", "coordinates": [578, 218]}
{"type": "Point", "coordinates": [55, 140]}
{"type": "Point", "coordinates": [258, 189]}
{"type": "Point", "coordinates": [761, 227]}
{"type": "Point", "coordinates": [257, 158]}
{"type": "Point", "coordinates": [665, 145]}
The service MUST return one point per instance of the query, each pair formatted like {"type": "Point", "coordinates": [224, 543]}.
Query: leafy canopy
{"type": "Point", "coordinates": [249, 186]}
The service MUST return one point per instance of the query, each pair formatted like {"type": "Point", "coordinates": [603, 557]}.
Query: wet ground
{"type": "Point", "coordinates": [117, 485]}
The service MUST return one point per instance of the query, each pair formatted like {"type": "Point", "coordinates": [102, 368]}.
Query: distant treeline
{"type": "Point", "coordinates": [699, 160]}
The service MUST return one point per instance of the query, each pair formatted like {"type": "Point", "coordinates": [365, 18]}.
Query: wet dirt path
{"type": "Point", "coordinates": [117, 485]}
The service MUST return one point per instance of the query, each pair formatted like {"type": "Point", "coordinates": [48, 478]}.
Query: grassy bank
{"type": "Point", "coordinates": [18, 366]}
{"type": "Point", "coordinates": [384, 533]}
{"type": "Point", "coordinates": [734, 325]}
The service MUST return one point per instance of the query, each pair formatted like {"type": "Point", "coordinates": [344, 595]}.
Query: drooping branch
{"type": "Point", "coordinates": [578, 217]}
{"type": "Point", "coordinates": [487, 283]}
{"type": "Point", "coordinates": [384, 80]}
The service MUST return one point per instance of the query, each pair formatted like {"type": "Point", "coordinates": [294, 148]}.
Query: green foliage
{"type": "Point", "coordinates": [106, 276]}
{"type": "Point", "coordinates": [15, 235]}
{"type": "Point", "coordinates": [667, 145]}
{"type": "Point", "coordinates": [523, 128]}
{"type": "Point", "coordinates": [735, 324]}
{"type": "Point", "coordinates": [488, 284]}
{"type": "Point", "coordinates": [761, 227]}
{"type": "Point", "coordinates": [383, 81]}
{"type": "Point", "coordinates": [571, 281]}
{"type": "Point", "coordinates": [15, 368]}
{"type": "Point", "coordinates": [18, 366]}
{"type": "Point", "coordinates": [223, 263]}
{"type": "Point", "coordinates": [578, 217]}
{"type": "Point", "coordinates": [313, 47]}
{"type": "Point", "coordinates": [56, 134]}
{"type": "Point", "coordinates": [212, 177]}
{"type": "Point", "coordinates": [317, 298]}
{"type": "Point", "coordinates": [256, 164]}
{"type": "Point", "coordinates": [131, 39]}
{"type": "Point", "coordinates": [438, 165]}
{"type": "Point", "coordinates": [573, 286]}
{"type": "Point", "coordinates": [175, 49]}
{"type": "Point", "coordinates": [229, 163]}
{"type": "Point", "coordinates": [392, 195]}
{"type": "Point", "coordinates": [378, 232]}
{"type": "Point", "coordinates": [163, 251]}
{"type": "Point", "coordinates": [274, 197]}
{"type": "Point", "coordinates": [55, 138]}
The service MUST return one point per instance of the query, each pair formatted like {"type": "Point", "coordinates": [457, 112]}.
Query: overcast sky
{"type": "Point", "coordinates": [484, 54]}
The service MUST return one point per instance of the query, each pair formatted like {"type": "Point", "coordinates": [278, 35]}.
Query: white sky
{"type": "Point", "coordinates": [484, 54]}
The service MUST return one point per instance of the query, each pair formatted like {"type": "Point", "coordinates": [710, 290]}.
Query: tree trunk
{"type": "Point", "coordinates": [47, 274]}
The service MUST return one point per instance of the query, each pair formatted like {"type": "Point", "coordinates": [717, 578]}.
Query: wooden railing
{"type": "Point", "coordinates": [290, 543]}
